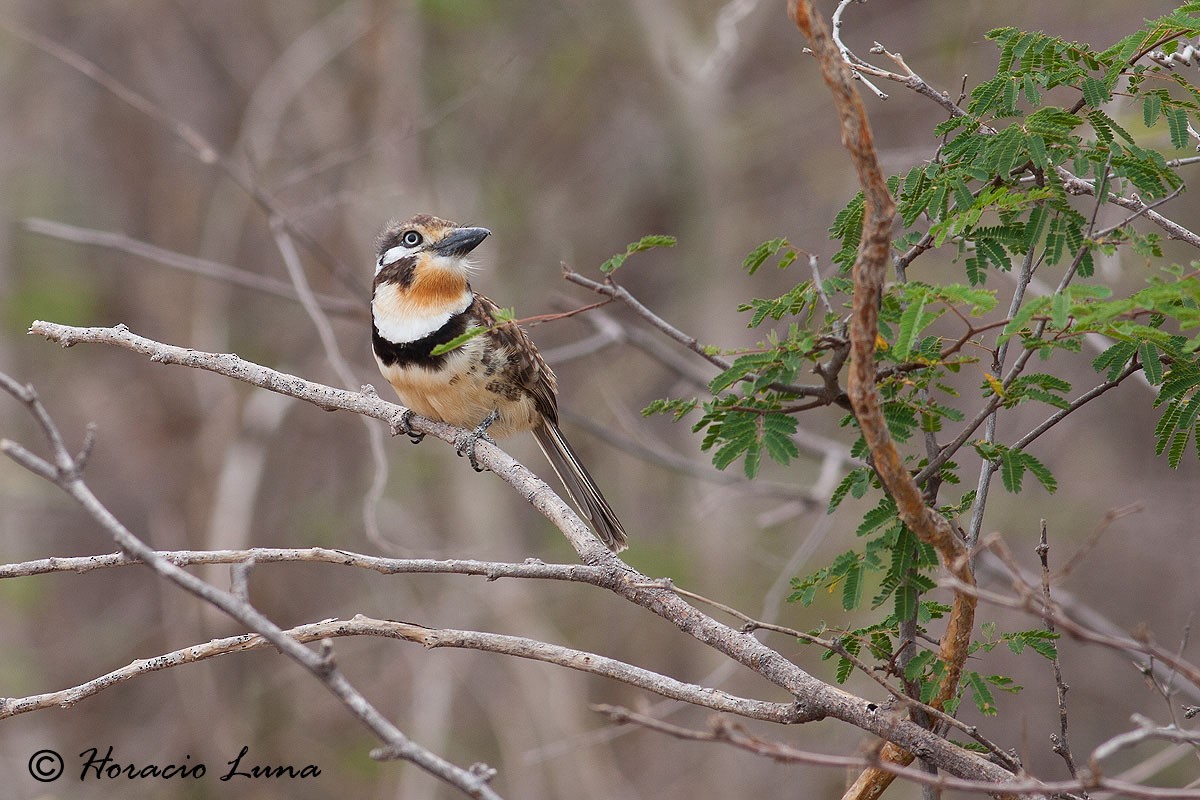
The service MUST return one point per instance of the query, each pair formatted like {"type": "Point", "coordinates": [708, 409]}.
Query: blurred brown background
{"type": "Point", "coordinates": [570, 129]}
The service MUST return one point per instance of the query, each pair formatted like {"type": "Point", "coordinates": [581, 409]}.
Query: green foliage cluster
{"type": "Point", "coordinates": [1012, 187]}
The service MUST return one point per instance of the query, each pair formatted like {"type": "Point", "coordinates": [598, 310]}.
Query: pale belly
{"type": "Point", "coordinates": [462, 395]}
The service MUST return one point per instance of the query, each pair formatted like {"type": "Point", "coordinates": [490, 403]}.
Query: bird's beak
{"type": "Point", "coordinates": [461, 241]}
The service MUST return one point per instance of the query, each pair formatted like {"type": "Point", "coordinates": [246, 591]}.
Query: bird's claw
{"type": "Point", "coordinates": [404, 425]}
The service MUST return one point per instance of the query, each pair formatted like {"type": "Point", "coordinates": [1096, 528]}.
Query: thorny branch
{"type": "Point", "coordinates": [869, 270]}
{"type": "Point", "coordinates": [1061, 742]}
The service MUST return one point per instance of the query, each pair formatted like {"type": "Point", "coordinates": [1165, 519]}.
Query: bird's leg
{"type": "Point", "coordinates": [404, 425]}
{"type": "Point", "coordinates": [467, 446]}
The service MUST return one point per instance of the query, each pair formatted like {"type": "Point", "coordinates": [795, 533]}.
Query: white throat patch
{"type": "Point", "coordinates": [400, 323]}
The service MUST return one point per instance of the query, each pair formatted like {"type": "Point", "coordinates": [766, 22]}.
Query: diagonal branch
{"type": "Point", "coordinates": [724, 732]}
{"type": "Point", "coordinates": [814, 699]}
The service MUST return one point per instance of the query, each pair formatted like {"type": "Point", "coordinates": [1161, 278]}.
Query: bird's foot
{"type": "Point", "coordinates": [466, 444]}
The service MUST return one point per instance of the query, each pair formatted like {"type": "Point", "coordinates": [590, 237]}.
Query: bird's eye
{"type": "Point", "coordinates": [411, 239]}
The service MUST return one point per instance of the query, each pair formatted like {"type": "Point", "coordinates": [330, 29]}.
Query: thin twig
{"type": "Point", "coordinates": [1061, 743]}
{"type": "Point", "coordinates": [191, 264]}
{"type": "Point", "coordinates": [610, 289]}
{"type": "Point", "coordinates": [721, 731]}
{"type": "Point", "coordinates": [852, 61]}
{"type": "Point", "coordinates": [901, 697]}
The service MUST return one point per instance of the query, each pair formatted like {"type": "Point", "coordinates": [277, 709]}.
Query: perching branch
{"type": "Point", "coordinates": [813, 698]}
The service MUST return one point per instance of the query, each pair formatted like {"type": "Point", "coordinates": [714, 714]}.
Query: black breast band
{"type": "Point", "coordinates": [419, 352]}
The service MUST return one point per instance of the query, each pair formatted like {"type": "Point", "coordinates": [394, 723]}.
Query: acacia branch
{"type": "Point", "coordinates": [869, 270]}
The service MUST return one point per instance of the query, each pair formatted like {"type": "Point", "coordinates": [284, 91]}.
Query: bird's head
{"type": "Point", "coordinates": [426, 244]}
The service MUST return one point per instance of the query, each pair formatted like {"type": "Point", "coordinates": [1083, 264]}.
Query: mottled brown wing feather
{"type": "Point", "coordinates": [532, 374]}
{"type": "Point", "coordinates": [528, 368]}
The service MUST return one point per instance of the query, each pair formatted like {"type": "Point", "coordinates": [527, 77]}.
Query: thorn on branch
{"type": "Point", "coordinates": [482, 771]}
{"type": "Point", "coordinates": [390, 753]}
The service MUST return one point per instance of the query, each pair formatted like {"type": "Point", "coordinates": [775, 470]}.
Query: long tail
{"type": "Point", "coordinates": [579, 484]}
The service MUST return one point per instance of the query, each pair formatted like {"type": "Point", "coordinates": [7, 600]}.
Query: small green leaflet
{"type": "Point", "coordinates": [502, 316]}
{"type": "Point", "coordinates": [645, 243]}
{"type": "Point", "coordinates": [746, 434]}
{"type": "Point", "coordinates": [767, 249]}
{"type": "Point", "coordinates": [912, 322]}
{"type": "Point", "coordinates": [458, 341]}
{"type": "Point", "coordinates": [1013, 464]}
{"type": "Point", "coordinates": [1177, 126]}
{"type": "Point", "coordinates": [980, 693]}
{"type": "Point", "coordinates": [1039, 640]}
